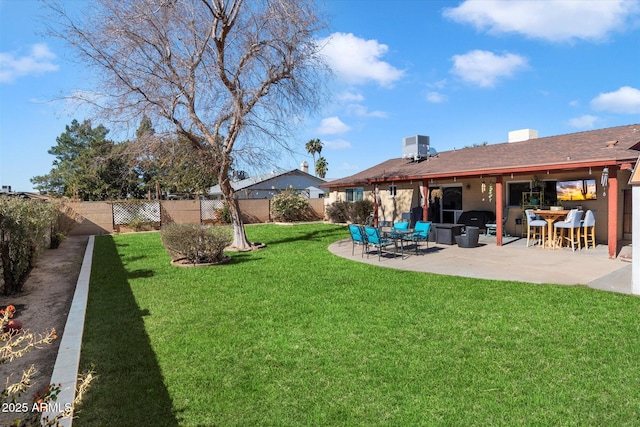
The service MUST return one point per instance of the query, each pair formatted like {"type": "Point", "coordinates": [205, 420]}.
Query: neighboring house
{"type": "Point", "coordinates": [268, 185]}
{"type": "Point", "coordinates": [500, 178]}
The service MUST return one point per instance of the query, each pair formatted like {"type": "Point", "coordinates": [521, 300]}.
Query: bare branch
{"type": "Point", "coordinates": [233, 74]}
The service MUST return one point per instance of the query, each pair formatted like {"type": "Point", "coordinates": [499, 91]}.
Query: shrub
{"type": "Point", "coordinates": [360, 211]}
{"type": "Point", "coordinates": [223, 215]}
{"type": "Point", "coordinates": [140, 224]}
{"type": "Point", "coordinates": [338, 211]}
{"type": "Point", "coordinates": [355, 212]}
{"type": "Point", "coordinates": [15, 344]}
{"type": "Point", "coordinates": [24, 227]}
{"type": "Point", "coordinates": [289, 206]}
{"type": "Point", "coordinates": [196, 244]}
{"type": "Point", "coordinates": [65, 220]}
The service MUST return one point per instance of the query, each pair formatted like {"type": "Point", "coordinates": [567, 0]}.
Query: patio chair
{"type": "Point", "coordinates": [491, 229]}
{"type": "Point", "coordinates": [374, 239]}
{"type": "Point", "coordinates": [572, 225]}
{"type": "Point", "coordinates": [469, 239]}
{"type": "Point", "coordinates": [535, 227]}
{"type": "Point", "coordinates": [401, 225]}
{"type": "Point", "coordinates": [358, 237]}
{"type": "Point", "coordinates": [588, 231]}
{"type": "Point", "coordinates": [420, 234]}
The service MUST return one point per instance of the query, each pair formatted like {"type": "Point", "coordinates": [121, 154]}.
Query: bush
{"type": "Point", "coordinates": [15, 342]}
{"type": "Point", "coordinates": [289, 206]}
{"type": "Point", "coordinates": [223, 215]}
{"type": "Point", "coordinates": [355, 212]}
{"type": "Point", "coordinates": [196, 244]}
{"type": "Point", "coordinates": [65, 219]}
{"type": "Point", "coordinates": [24, 228]}
{"type": "Point", "coordinates": [360, 211]}
{"type": "Point", "coordinates": [338, 211]}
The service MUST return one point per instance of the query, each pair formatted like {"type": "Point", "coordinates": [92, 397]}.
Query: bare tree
{"type": "Point", "coordinates": [236, 75]}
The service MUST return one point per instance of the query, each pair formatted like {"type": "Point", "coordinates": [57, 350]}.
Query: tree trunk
{"type": "Point", "coordinates": [240, 241]}
{"type": "Point", "coordinates": [239, 236]}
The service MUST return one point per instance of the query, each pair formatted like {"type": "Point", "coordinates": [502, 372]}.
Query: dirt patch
{"type": "Point", "coordinates": [44, 304]}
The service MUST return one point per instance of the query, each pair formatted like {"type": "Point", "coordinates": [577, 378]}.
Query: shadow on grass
{"type": "Point", "coordinates": [129, 389]}
{"type": "Point", "coordinates": [317, 235]}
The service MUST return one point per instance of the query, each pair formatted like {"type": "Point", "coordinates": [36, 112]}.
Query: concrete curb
{"type": "Point", "coordinates": [65, 370]}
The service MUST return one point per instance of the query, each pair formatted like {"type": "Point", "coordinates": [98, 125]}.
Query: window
{"type": "Point", "coordinates": [550, 195]}
{"type": "Point", "coordinates": [515, 190]}
{"type": "Point", "coordinates": [452, 198]}
{"type": "Point", "coordinates": [354, 194]}
{"type": "Point", "coordinates": [393, 190]}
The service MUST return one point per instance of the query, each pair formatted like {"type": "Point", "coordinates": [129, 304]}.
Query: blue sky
{"type": "Point", "coordinates": [460, 72]}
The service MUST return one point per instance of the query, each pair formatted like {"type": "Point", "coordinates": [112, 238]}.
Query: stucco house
{"type": "Point", "coordinates": [268, 185]}
{"type": "Point", "coordinates": [589, 169]}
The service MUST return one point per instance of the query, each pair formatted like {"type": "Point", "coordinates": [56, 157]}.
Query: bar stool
{"type": "Point", "coordinates": [535, 227]}
{"type": "Point", "coordinates": [588, 231]}
{"type": "Point", "coordinates": [572, 225]}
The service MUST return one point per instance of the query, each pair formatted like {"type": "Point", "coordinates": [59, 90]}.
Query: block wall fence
{"type": "Point", "coordinates": [97, 217]}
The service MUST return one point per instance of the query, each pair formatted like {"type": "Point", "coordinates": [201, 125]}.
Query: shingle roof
{"type": "Point", "coordinates": [579, 149]}
{"type": "Point", "coordinates": [251, 181]}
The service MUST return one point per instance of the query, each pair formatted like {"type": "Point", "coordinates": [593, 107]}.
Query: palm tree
{"type": "Point", "coordinates": [321, 167]}
{"type": "Point", "coordinates": [314, 146]}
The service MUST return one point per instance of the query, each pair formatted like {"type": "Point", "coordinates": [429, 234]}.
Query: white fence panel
{"type": "Point", "coordinates": [208, 208]}
{"type": "Point", "coordinates": [126, 212]}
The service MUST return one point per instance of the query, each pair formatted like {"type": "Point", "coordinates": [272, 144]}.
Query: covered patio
{"type": "Point", "coordinates": [512, 261]}
{"type": "Point", "coordinates": [585, 170]}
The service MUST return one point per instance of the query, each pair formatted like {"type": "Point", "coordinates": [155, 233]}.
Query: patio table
{"type": "Point", "coordinates": [398, 237]}
{"type": "Point", "coordinates": [551, 217]}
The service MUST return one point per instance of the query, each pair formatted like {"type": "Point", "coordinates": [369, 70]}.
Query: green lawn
{"type": "Point", "coordinates": [293, 335]}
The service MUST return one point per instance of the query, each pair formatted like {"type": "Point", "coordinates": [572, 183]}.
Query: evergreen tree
{"type": "Point", "coordinates": [88, 166]}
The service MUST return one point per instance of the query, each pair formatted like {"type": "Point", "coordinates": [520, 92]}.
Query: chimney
{"type": "Point", "coordinates": [304, 167]}
{"type": "Point", "coordinates": [522, 135]}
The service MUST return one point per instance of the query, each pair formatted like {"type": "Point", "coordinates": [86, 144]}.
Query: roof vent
{"type": "Point", "coordinates": [611, 144]}
{"type": "Point", "coordinates": [522, 135]}
{"type": "Point", "coordinates": [417, 148]}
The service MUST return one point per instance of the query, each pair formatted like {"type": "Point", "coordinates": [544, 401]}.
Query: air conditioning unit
{"type": "Point", "coordinates": [416, 147]}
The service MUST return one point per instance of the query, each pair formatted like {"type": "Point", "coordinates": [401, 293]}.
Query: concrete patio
{"type": "Point", "coordinates": [512, 261]}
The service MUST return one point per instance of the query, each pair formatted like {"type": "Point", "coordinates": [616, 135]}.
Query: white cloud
{"type": "Point", "coordinates": [358, 60]}
{"type": "Point", "coordinates": [362, 111]}
{"type": "Point", "coordinates": [38, 60]}
{"type": "Point", "coordinates": [337, 144]}
{"type": "Point", "coordinates": [551, 20]}
{"type": "Point", "coordinates": [485, 68]}
{"type": "Point", "coordinates": [440, 84]}
{"type": "Point", "coordinates": [583, 122]}
{"type": "Point", "coordinates": [332, 126]}
{"type": "Point", "coordinates": [436, 97]}
{"type": "Point", "coordinates": [625, 100]}
{"type": "Point", "coordinates": [350, 97]}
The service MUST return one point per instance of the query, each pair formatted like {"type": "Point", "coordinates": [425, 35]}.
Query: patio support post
{"type": "Point", "coordinates": [499, 205]}
{"type": "Point", "coordinates": [612, 211]}
{"type": "Point", "coordinates": [376, 195]}
{"type": "Point", "coordinates": [425, 197]}
{"type": "Point", "coordinates": [635, 246]}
